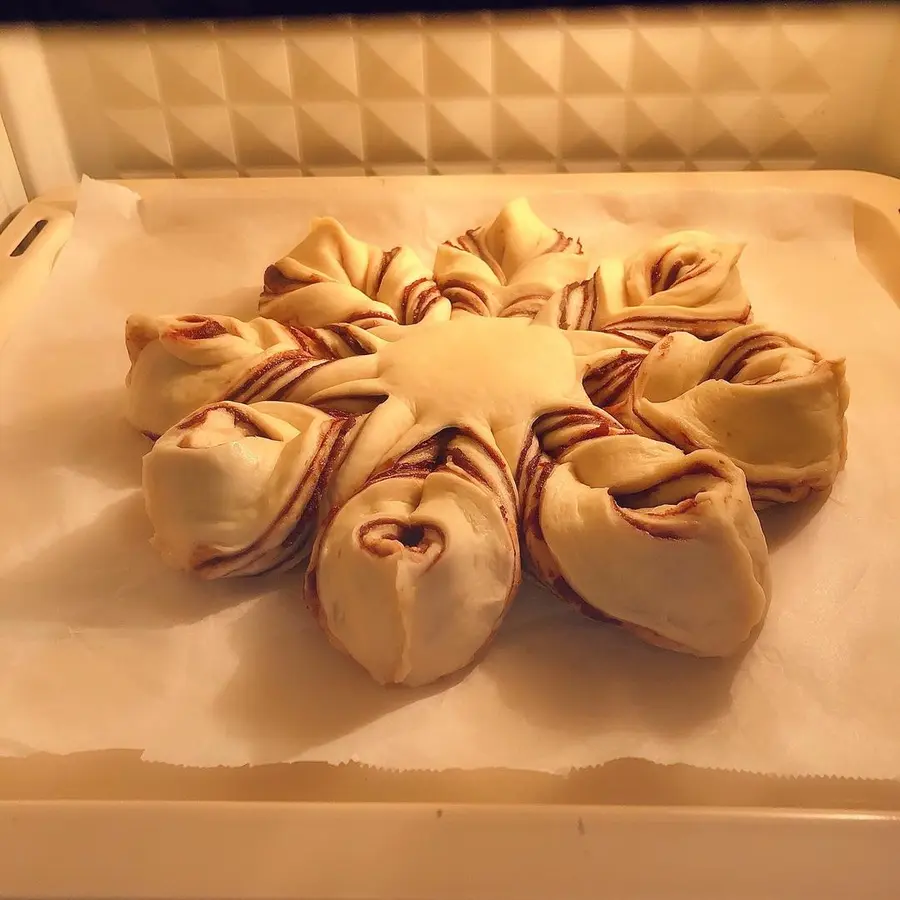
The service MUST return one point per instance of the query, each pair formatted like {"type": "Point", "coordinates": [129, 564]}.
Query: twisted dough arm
{"type": "Point", "coordinates": [772, 405]}
{"type": "Point", "coordinates": [507, 268]}
{"type": "Point", "coordinates": [181, 363]}
{"type": "Point", "coordinates": [634, 531]}
{"type": "Point", "coordinates": [413, 574]}
{"type": "Point", "coordinates": [605, 363]}
{"type": "Point", "coordinates": [237, 490]}
{"type": "Point", "coordinates": [333, 277]}
{"type": "Point", "coordinates": [686, 281]}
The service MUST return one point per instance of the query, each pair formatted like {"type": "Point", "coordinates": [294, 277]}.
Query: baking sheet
{"type": "Point", "coordinates": [101, 647]}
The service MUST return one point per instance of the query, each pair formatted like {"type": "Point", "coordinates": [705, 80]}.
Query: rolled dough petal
{"type": "Point", "coordinates": [773, 406]}
{"type": "Point", "coordinates": [333, 277]}
{"type": "Point", "coordinates": [235, 489]}
{"type": "Point", "coordinates": [182, 363]}
{"type": "Point", "coordinates": [412, 575]}
{"type": "Point", "coordinates": [509, 267]}
{"type": "Point", "coordinates": [687, 269]}
{"type": "Point", "coordinates": [634, 531]}
{"type": "Point", "coordinates": [686, 281]}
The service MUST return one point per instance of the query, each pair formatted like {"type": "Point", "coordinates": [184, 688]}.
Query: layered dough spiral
{"type": "Point", "coordinates": [507, 268]}
{"type": "Point", "coordinates": [634, 531]}
{"type": "Point", "coordinates": [773, 406]}
{"type": "Point", "coordinates": [685, 281]}
{"type": "Point", "coordinates": [400, 433]}
{"type": "Point", "coordinates": [180, 363]}
{"type": "Point", "coordinates": [333, 277]}
{"type": "Point", "coordinates": [413, 574]}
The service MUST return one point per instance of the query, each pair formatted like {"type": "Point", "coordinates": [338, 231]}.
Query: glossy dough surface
{"type": "Point", "coordinates": [411, 439]}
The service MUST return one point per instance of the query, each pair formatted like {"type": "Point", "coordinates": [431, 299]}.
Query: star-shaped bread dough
{"type": "Point", "coordinates": [410, 439]}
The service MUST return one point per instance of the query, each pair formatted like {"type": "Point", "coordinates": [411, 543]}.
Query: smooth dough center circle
{"type": "Point", "coordinates": [499, 371]}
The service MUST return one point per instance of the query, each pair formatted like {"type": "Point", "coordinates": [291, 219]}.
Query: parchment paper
{"type": "Point", "coordinates": [102, 647]}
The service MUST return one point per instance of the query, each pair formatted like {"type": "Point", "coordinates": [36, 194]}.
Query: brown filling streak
{"type": "Point", "coordinates": [425, 301]}
{"type": "Point", "coordinates": [466, 299]}
{"type": "Point", "coordinates": [272, 369]}
{"type": "Point", "coordinates": [735, 359]}
{"type": "Point", "coordinates": [645, 343]}
{"type": "Point", "coordinates": [276, 283]}
{"type": "Point", "coordinates": [365, 316]}
{"type": "Point", "coordinates": [315, 473]}
{"type": "Point", "coordinates": [526, 305]}
{"type": "Point", "coordinates": [564, 242]}
{"type": "Point", "coordinates": [386, 259]}
{"type": "Point", "coordinates": [357, 347]}
{"type": "Point", "coordinates": [391, 532]}
{"type": "Point", "coordinates": [238, 416]}
{"type": "Point", "coordinates": [311, 341]}
{"type": "Point", "coordinates": [202, 329]}
{"type": "Point", "coordinates": [564, 305]}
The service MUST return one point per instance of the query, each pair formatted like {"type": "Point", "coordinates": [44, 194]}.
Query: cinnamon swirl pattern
{"type": "Point", "coordinates": [413, 574]}
{"type": "Point", "coordinates": [773, 406]}
{"type": "Point", "coordinates": [410, 442]}
{"type": "Point", "coordinates": [635, 532]}
{"type": "Point", "coordinates": [180, 363]}
{"type": "Point", "coordinates": [508, 268]}
{"type": "Point", "coordinates": [687, 281]}
{"type": "Point", "coordinates": [331, 277]}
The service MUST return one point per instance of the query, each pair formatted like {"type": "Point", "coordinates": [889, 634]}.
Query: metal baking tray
{"type": "Point", "coordinates": [109, 825]}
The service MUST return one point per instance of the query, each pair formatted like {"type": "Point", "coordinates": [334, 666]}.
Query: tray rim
{"type": "Point", "coordinates": [274, 850]}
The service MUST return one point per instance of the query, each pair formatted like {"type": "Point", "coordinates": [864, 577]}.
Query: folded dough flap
{"type": "Point", "coordinates": [234, 489]}
{"type": "Point", "coordinates": [202, 340]}
{"type": "Point", "coordinates": [327, 253]}
{"type": "Point", "coordinates": [664, 543]}
{"type": "Point", "coordinates": [453, 262]}
{"type": "Point", "coordinates": [517, 253]}
{"type": "Point", "coordinates": [773, 406]}
{"type": "Point", "coordinates": [192, 361]}
{"type": "Point", "coordinates": [318, 281]}
{"type": "Point", "coordinates": [517, 236]}
{"type": "Point", "coordinates": [546, 274]}
{"type": "Point", "coordinates": [198, 360]}
{"type": "Point", "coordinates": [687, 268]}
{"type": "Point", "coordinates": [208, 340]}
{"type": "Point", "coordinates": [413, 574]}
{"type": "Point", "coordinates": [325, 303]}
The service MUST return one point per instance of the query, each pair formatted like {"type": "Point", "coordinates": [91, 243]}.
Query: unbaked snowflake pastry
{"type": "Point", "coordinates": [422, 438]}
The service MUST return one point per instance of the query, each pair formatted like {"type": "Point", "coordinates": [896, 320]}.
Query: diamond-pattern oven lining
{"type": "Point", "coordinates": [761, 87]}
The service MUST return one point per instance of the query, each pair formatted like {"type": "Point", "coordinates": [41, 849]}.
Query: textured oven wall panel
{"type": "Point", "coordinates": [742, 87]}
{"type": "Point", "coordinates": [886, 143]}
{"type": "Point", "coordinates": [12, 191]}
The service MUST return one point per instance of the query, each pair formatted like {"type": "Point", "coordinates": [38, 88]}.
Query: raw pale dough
{"type": "Point", "coordinates": [180, 363]}
{"type": "Point", "coordinates": [510, 395]}
{"type": "Point", "coordinates": [773, 406]}
{"type": "Point", "coordinates": [508, 268]}
{"type": "Point", "coordinates": [332, 277]}
{"type": "Point", "coordinates": [686, 281]}
{"type": "Point", "coordinates": [236, 489]}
